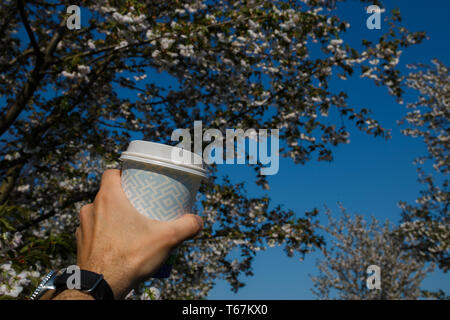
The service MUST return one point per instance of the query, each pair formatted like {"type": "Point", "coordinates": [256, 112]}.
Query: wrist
{"type": "Point", "coordinates": [70, 294]}
{"type": "Point", "coordinates": [84, 281]}
{"type": "Point", "coordinates": [119, 282]}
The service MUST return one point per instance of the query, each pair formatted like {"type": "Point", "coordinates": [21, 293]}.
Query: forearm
{"type": "Point", "coordinates": [67, 295]}
{"type": "Point", "coordinates": [73, 295]}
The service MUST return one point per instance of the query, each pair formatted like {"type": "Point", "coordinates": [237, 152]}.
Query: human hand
{"type": "Point", "coordinates": [115, 240]}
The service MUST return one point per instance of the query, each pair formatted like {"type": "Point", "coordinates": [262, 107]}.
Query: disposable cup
{"type": "Point", "coordinates": [160, 185]}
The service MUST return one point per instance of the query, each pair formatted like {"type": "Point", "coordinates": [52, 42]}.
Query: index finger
{"type": "Point", "coordinates": [111, 182]}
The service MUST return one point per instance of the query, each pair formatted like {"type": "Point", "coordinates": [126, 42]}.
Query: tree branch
{"type": "Point", "coordinates": [33, 82]}
{"type": "Point", "coordinates": [82, 88]}
{"type": "Point", "coordinates": [8, 184]}
{"type": "Point", "coordinates": [17, 59]}
{"type": "Point", "coordinates": [116, 48]}
{"type": "Point", "coordinates": [26, 24]}
{"type": "Point", "coordinates": [14, 171]}
{"type": "Point", "coordinates": [72, 200]}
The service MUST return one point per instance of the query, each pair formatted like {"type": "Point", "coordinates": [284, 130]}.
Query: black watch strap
{"type": "Point", "coordinates": [91, 282]}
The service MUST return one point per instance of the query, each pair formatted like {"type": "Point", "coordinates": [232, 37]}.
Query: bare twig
{"type": "Point", "coordinates": [30, 33]}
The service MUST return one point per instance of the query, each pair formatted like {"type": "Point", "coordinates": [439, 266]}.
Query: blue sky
{"type": "Point", "coordinates": [368, 176]}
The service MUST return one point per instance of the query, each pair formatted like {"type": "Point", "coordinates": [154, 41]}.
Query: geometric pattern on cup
{"type": "Point", "coordinates": [158, 192]}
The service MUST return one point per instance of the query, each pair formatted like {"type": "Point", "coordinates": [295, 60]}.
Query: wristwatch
{"type": "Point", "coordinates": [90, 282]}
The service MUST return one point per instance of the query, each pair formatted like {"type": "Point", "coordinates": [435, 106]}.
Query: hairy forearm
{"type": "Point", "coordinates": [67, 295]}
{"type": "Point", "coordinates": [73, 295]}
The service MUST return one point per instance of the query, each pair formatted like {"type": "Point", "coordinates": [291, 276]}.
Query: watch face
{"type": "Point", "coordinates": [45, 285]}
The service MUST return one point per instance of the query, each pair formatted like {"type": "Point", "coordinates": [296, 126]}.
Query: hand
{"type": "Point", "coordinates": [117, 241]}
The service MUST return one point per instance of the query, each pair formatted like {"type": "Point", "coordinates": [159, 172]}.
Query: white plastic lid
{"type": "Point", "coordinates": [162, 154]}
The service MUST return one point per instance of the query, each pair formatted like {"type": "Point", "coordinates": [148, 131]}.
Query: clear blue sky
{"type": "Point", "coordinates": [368, 176]}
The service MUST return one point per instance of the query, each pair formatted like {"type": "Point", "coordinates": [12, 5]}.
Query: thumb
{"type": "Point", "coordinates": [186, 226]}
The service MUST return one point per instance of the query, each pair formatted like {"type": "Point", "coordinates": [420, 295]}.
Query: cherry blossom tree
{"type": "Point", "coordinates": [424, 235]}
{"type": "Point", "coordinates": [70, 100]}
{"type": "Point", "coordinates": [357, 244]}
{"type": "Point", "coordinates": [426, 224]}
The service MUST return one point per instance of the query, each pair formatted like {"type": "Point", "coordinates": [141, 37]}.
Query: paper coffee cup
{"type": "Point", "coordinates": [159, 185]}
